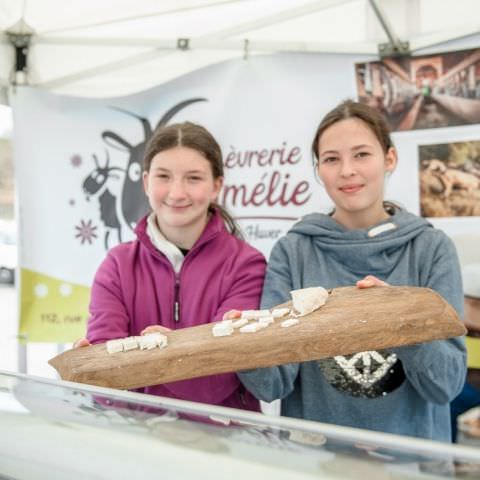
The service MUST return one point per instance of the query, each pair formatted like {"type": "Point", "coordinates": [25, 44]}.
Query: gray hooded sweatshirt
{"type": "Point", "coordinates": [406, 390]}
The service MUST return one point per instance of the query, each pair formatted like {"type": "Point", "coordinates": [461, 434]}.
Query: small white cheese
{"type": "Point", "coordinates": [280, 312]}
{"type": "Point", "coordinates": [289, 322]}
{"type": "Point", "coordinates": [252, 314]}
{"type": "Point", "coordinates": [147, 342]}
{"type": "Point", "coordinates": [115, 346]}
{"type": "Point", "coordinates": [306, 300]}
{"type": "Point", "coordinates": [251, 328]}
{"type": "Point", "coordinates": [162, 340]}
{"type": "Point", "coordinates": [222, 329]}
{"type": "Point", "coordinates": [144, 342]}
{"type": "Point", "coordinates": [265, 321]}
{"type": "Point", "coordinates": [129, 343]}
{"type": "Point", "coordinates": [239, 323]}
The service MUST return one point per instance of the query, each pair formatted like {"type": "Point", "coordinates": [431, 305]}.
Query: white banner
{"type": "Point", "coordinates": [78, 167]}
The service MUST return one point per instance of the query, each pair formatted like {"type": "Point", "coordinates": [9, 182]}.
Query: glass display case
{"type": "Point", "coordinates": [55, 429]}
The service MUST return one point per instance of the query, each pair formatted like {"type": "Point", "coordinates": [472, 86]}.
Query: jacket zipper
{"type": "Point", "coordinates": [146, 241]}
{"type": "Point", "coordinates": [176, 306]}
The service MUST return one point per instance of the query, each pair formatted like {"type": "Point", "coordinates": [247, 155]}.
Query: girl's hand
{"type": "Point", "coordinates": [232, 314]}
{"type": "Point", "coordinates": [81, 342]}
{"type": "Point", "coordinates": [154, 328]}
{"type": "Point", "coordinates": [371, 281]}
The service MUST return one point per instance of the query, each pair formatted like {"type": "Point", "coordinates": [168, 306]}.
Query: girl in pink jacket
{"type": "Point", "coordinates": [186, 267]}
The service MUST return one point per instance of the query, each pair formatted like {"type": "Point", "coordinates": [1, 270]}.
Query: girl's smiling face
{"type": "Point", "coordinates": [180, 187]}
{"type": "Point", "coordinates": [352, 165]}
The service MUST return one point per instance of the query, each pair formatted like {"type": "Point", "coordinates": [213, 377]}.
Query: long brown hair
{"type": "Point", "coordinates": [197, 138]}
{"type": "Point", "coordinates": [372, 118]}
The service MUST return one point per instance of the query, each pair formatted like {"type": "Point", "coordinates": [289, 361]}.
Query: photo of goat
{"type": "Point", "coordinates": [450, 179]}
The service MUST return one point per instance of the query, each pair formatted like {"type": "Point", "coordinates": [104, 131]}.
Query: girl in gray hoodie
{"type": "Point", "coordinates": [367, 242]}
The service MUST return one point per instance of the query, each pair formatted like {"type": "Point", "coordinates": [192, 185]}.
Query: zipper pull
{"type": "Point", "coordinates": [176, 307]}
{"type": "Point", "coordinates": [176, 312]}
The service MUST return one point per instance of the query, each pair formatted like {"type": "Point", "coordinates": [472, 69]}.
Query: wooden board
{"type": "Point", "coordinates": [353, 320]}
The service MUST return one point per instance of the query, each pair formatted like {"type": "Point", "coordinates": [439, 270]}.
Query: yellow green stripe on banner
{"type": "Point", "coordinates": [51, 309]}
{"type": "Point", "coordinates": [473, 352]}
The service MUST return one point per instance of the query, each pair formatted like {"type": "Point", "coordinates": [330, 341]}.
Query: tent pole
{"type": "Point", "coordinates": [269, 20]}
{"type": "Point", "coordinates": [149, 15]}
{"type": "Point", "coordinates": [98, 70]}
{"type": "Point", "coordinates": [395, 46]}
{"type": "Point", "coordinates": [173, 45]}
{"type": "Point", "coordinates": [437, 38]}
{"type": "Point", "coordinates": [382, 18]}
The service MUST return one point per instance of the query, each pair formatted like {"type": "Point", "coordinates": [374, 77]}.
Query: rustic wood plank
{"type": "Point", "coordinates": [353, 320]}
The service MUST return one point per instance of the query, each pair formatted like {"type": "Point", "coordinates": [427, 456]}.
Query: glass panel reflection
{"type": "Point", "coordinates": [60, 429]}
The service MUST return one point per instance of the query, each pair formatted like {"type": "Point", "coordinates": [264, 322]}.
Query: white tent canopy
{"type": "Point", "coordinates": [116, 47]}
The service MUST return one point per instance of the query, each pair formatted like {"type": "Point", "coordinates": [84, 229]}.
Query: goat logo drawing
{"type": "Point", "coordinates": [118, 211]}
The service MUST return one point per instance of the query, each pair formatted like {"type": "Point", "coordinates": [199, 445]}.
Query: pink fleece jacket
{"type": "Point", "coordinates": [136, 286]}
